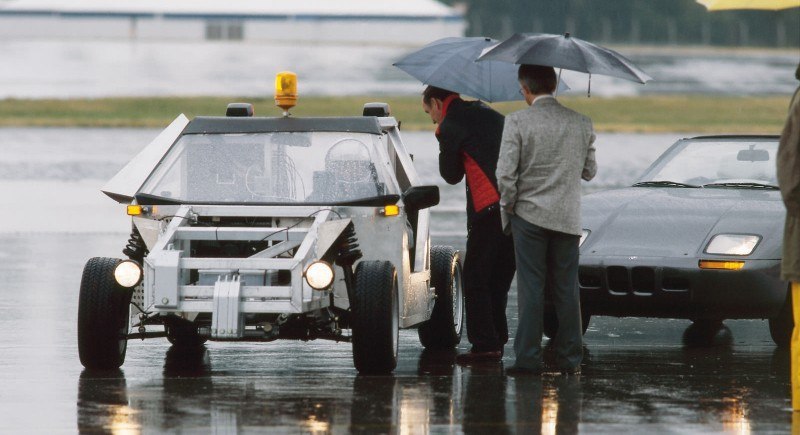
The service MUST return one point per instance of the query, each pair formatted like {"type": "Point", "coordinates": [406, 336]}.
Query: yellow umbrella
{"type": "Point", "coordinates": [772, 5]}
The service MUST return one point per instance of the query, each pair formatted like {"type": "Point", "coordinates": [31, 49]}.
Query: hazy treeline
{"type": "Point", "coordinates": [633, 21]}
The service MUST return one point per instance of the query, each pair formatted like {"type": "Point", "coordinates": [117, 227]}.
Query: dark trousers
{"type": "Point", "coordinates": [488, 272]}
{"type": "Point", "coordinates": [546, 256]}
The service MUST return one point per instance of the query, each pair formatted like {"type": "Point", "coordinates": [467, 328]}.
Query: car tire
{"type": "Point", "coordinates": [707, 333]}
{"type": "Point", "coordinates": [103, 309]}
{"type": "Point", "coordinates": [781, 327]}
{"type": "Point", "coordinates": [443, 330]}
{"type": "Point", "coordinates": [550, 321]}
{"type": "Point", "coordinates": [375, 319]}
{"type": "Point", "coordinates": [182, 333]}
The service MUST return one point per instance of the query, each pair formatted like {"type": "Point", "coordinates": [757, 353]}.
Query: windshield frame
{"type": "Point", "coordinates": [378, 156]}
{"type": "Point", "coordinates": [680, 145]}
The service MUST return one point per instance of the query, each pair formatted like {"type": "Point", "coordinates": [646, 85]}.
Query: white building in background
{"type": "Point", "coordinates": [410, 22]}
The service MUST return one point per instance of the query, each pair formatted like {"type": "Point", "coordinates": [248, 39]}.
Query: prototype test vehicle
{"type": "Point", "coordinates": [254, 228]}
{"type": "Point", "coordinates": [698, 236]}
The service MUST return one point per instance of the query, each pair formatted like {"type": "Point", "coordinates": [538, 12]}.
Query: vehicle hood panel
{"type": "Point", "coordinates": [667, 222]}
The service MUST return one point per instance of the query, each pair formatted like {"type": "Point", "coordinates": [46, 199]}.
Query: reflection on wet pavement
{"type": "Point", "coordinates": [637, 375]}
{"type": "Point", "coordinates": [657, 390]}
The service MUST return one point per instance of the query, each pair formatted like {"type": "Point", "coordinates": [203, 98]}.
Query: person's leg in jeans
{"type": "Point", "coordinates": [477, 291]}
{"type": "Point", "coordinates": [530, 245]}
{"type": "Point", "coordinates": [563, 261]}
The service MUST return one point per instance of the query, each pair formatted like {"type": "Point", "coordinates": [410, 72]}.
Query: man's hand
{"type": "Point", "coordinates": [508, 208]}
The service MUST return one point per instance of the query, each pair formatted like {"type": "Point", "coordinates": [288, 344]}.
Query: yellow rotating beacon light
{"type": "Point", "coordinates": [286, 91]}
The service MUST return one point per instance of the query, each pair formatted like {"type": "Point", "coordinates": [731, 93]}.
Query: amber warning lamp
{"type": "Point", "coordinates": [286, 91]}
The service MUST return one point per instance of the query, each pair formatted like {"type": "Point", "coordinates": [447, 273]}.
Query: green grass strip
{"type": "Point", "coordinates": [646, 114]}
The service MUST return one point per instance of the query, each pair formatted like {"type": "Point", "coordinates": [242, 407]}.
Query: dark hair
{"type": "Point", "coordinates": [434, 92]}
{"type": "Point", "coordinates": [537, 78]}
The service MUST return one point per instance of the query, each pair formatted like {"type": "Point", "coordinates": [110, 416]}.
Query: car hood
{"type": "Point", "coordinates": [678, 222]}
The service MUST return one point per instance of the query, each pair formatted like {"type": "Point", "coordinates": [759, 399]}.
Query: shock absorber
{"type": "Point", "coordinates": [135, 249]}
{"type": "Point", "coordinates": [347, 254]}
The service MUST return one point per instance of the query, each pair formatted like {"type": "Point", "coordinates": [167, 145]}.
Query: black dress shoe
{"type": "Point", "coordinates": [479, 357]}
{"type": "Point", "coordinates": [522, 371]}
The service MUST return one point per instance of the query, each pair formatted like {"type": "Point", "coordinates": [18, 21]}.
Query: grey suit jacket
{"type": "Point", "coordinates": [545, 152]}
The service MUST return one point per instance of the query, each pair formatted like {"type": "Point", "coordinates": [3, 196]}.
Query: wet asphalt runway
{"type": "Point", "coordinates": [637, 375]}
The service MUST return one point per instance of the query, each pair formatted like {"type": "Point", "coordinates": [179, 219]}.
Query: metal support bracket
{"type": "Point", "coordinates": [227, 322]}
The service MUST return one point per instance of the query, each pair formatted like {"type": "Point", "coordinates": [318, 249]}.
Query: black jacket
{"type": "Point", "coordinates": [469, 144]}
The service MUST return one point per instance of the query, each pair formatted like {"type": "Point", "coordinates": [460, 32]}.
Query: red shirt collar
{"type": "Point", "coordinates": [445, 106]}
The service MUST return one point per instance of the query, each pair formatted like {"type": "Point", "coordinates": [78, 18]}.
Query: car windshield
{"type": "Point", "coordinates": [278, 167]}
{"type": "Point", "coordinates": [715, 163]}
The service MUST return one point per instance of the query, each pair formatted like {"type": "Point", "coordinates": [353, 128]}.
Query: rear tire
{"type": "Point", "coordinates": [550, 322]}
{"type": "Point", "coordinates": [443, 329]}
{"type": "Point", "coordinates": [781, 327]}
{"type": "Point", "coordinates": [103, 309]}
{"type": "Point", "coordinates": [375, 317]}
{"type": "Point", "coordinates": [182, 333]}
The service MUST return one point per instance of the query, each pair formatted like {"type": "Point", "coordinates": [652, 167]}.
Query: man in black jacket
{"type": "Point", "coordinates": [469, 135]}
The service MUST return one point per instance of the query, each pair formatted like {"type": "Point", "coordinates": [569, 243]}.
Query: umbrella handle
{"type": "Point", "coordinates": [589, 90]}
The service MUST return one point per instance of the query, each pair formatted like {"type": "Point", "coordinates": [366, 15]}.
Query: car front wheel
{"type": "Point", "coordinates": [781, 327]}
{"type": "Point", "coordinates": [103, 308]}
{"type": "Point", "coordinates": [443, 329]}
{"type": "Point", "coordinates": [375, 317]}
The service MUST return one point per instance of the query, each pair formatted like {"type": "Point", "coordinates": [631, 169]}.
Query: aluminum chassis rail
{"type": "Point", "coordinates": [166, 284]}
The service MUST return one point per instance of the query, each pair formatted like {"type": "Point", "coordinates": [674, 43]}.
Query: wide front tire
{"type": "Point", "coordinates": [103, 309]}
{"type": "Point", "coordinates": [443, 329]}
{"type": "Point", "coordinates": [781, 327]}
{"type": "Point", "coordinates": [375, 317]}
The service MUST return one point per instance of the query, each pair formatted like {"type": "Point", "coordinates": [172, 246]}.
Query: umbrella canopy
{"type": "Point", "coordinates": [772, 5]}
{"type": "Point", "coordinates": [564, 51]}
{"type": "Point", "coordinates": [449, 63]}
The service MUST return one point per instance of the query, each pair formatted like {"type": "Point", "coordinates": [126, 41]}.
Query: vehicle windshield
{"type": "Point", "coordinates": [715, 163]}
{"type": "Point", "coordinates": [278, 167]}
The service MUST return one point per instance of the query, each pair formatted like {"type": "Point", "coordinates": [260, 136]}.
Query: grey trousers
{"type": "Point", "coordinates": [546, 257]}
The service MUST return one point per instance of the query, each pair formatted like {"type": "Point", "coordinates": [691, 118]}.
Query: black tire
{"type": "Point", "coordinates": [103, 308]}
{"type": "Point", "coordinates": [182, 333]}
{"type": "Point", "coordinates": [707, 333]}
{"type": "Point", "coordinates": [375, 317]}
{"type": "Point", "coordinates": [550, 321]}
{"type": "Point", "coordinates": [443, 329]}
{"type": "Point", "coordinates": [781, 327]}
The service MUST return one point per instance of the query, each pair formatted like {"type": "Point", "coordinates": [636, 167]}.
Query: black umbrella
{"type": "Point", "coordinates": [564, 51]}
{"type": "Point", "coordinates": [449, 63]}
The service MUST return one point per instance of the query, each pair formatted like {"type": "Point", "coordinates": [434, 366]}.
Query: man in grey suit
{"type": "Point", "coordinates": [545, 152]}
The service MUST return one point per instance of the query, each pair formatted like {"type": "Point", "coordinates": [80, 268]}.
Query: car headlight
{"type": "Point", "coordinates": [128, 273]}
{"type": "Point", "coordinates": [584, 234]}
{"type": "Point", "coordinates": [319, 275]}
{"type": "Point", "coordinates": [733, 244]}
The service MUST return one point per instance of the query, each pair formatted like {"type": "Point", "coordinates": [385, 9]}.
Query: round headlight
{"type": "Point", "coordinates": [128, 274]}
{"type": "Point", "coordinates": [319, 275]}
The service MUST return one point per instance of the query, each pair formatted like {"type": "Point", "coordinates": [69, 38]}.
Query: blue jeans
{"type": "Point", "coordinates": [546, 258]}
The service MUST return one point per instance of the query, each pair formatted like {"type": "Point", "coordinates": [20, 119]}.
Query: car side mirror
{"type": "Point", "coordinates": [421, 197]}
{"type": "Point", "coordinates": [752, 155]}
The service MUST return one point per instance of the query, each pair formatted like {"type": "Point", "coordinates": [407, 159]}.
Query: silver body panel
{"type": "Point", "coordinates": [231, 288]}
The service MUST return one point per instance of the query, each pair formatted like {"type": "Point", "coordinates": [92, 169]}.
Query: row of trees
{"type": "Point", "coordinates": [633, 21]}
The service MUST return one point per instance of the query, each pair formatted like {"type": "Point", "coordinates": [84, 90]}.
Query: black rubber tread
{"type": "Point", "coordinates": [440, 332]}
{"type": "Point", "coordinates": [782, 326]}
{"type": "Point", "coordinates": [182, 333]}
{"type": "Point", "coordinates": [375, 336]}
{"type": "Point", "coordinates": [103, 308]}
{"type": "Point", "coordinates": [550, 322]}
